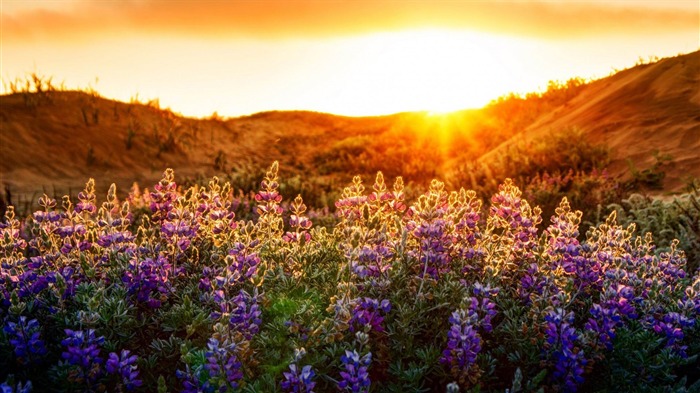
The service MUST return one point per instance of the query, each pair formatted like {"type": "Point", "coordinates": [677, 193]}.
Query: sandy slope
{"type": "Point", "coordinates": [636, 112]}
{"type": "Point", "coordinates": [45, 145]}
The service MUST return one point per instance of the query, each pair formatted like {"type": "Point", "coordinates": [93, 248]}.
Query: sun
{"type": "Point", "coordinates": [427, 70]}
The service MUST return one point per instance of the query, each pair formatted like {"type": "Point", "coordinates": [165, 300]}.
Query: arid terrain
{"type": "Point", "coordinates": [53, 141]}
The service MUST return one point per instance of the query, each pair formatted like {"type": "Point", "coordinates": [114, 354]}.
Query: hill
{"type": "Point", "coordinates": [648, 111]}
{"type": "Point", "coordinates": [52, 141]}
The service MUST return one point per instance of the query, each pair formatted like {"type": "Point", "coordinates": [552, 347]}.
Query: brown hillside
{"type": "Point", "coordinates": [54, 141]}
{"type": "Point", "coordinates": [637, 112]}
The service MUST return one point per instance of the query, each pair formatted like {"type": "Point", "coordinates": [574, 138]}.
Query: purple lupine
{"type": "Point", "coordinates": [482, 309]}
{"type": "Point", "coordinates": [602, 325]}
{"type": "Point", "coordinates": [86, 199]}
{"type": "Point", "coordinates": [82, 347]}
{"type": "Point", "coordinates": [10, 239]}
{"type": "Point", "coordinates": [671, 325]}
{"type": "Point", "coordinates": [388, 207]}
{"type": "Point", "coordinates": [242, 263]}
{"type": "Point", "coordinates": [298, 222]}
{"type": "Point", "coordinates": [179, 227]}
{"type": "Point", "coordinates": [589, 272]}
{"type": "Point", "coordinates": [562, 234]}
{"type": "Point", "coordinates": [466, 207]}
{"type": "Point", "coordinates": [163, 197]}
{"type": "Point", "coordinates": [25, 338]}
{"type": "Point", "coordinates": [349, 206]}
{"type": "Point", "coordinates": [516, 217]}
{"type": "Point", "coordinates": [511, 233]}
{"type": "Point", "coordinates": [269, 210]}
{"type": "Point", "coordinates": [222, 365]}
{"type": "Point", "coordinates": [31, 283]}
{"type": "Point", "coordinates": [124, 365]}
{"type": "Point", "coordinates": [214, 207]}
{"type": "Point", "coordinates": [190, 380]}
{"type": "Point", "coordinates": [148, 280]}
{"type": "Point", "coordinates": [371, 260]}
{"type": "Point", "coordinates": [372, 226]}
{"type": "Point", "coordinates": [67, 280]}
{"type": "Point", "coordinates": [615, 308]}
{"type": "Point", "coordinates": [463, 346]}
{"type": "Point", "coordinates": [296, 381]}
{"type": "Point", "coordinates": [245, 315]}
{"type": "Point", "coordinates": [567, 358]}
{"type": "Point", "coordinates": [355, 377]}
{"type": "Point", "coordinates": [533, 283]}
{"type": "Point", "coordinates": [367, 315]}
{"type": "Point", "coordinates": [9, 386]}
{"type": "Point", "coordinates": [83, 350]}
{"type": "Point", "coordinates": [434, 246]}
{"type": "Point", "coordinates": [115, 240]}
{"type": "Point", "coordinates": [73, 236]}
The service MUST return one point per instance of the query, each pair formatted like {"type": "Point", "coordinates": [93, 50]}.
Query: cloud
{"type": "Point", "coordinates": [275, 19]}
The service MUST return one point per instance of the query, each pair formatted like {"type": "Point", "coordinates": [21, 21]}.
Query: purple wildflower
{"type": "Point", "coordinates": [367, 315]}
{"type": "Point", "coordinates": [242, 262]}
{"type": "Point", "coordinates": [355, 377]}
{"type": "Point", "coordinates": [463, 346]}
{"type": "Point", "coordinates": [671, 326]}
{"type": "Point", "coordinates": [82, 347]}
{"type": "Point", "coordinates": [83, 350]}
{"type": "Point", "coordinates": [568, 359]}
{"type": "Point", "coordinates": [124, 365]}
{"type": "Point", "coordinates": [482, 309]}
{"type": "Point", "coordinates": [223, 365]}
{"type": "Point", "coordinates": [25, 338]}
{"type": "Point", "coordinates": [245, 316]}
{"type": "Point", "coordinates": [298, 382]}
{"type": "Point", "coordinates": [9, 387]}
{"type": "Point", "coordinates": [190, 380]}
{"type": "Point", "coordinates": [299, 223]}
{"type": "Point", "coordinates": [148, 280]}
{"type": "Point", "coordinates": [268, 198]}
{"type": "Point", "coordinates": [165, 194]}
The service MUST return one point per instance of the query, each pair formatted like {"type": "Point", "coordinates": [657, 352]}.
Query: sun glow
{"type": "Point", "coordinates": [360, 74]}
{"type": "Point", "coordinates": [426, 70]}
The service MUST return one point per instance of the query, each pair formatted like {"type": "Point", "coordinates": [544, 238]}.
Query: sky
{"type": "Point", "coordinates": [356, 58]}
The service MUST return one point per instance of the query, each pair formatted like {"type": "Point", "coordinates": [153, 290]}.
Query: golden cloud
{"type": "Point", "coordinates": [275, 19]}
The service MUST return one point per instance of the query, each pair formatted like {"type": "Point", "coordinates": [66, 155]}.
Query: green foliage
{"type": "Point", "coordinates": [667, 218]}
{"type": "Point", "coordinates": [650, 178]}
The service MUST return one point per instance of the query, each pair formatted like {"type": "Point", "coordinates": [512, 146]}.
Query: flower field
{"type": "Point", "coordinates": [170, 290]}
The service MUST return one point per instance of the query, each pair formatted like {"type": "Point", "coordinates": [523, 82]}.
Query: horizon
{"type": "Point", "coordinates": [137, 99]}
{"type": "Point", "coordinates": [364, 59]}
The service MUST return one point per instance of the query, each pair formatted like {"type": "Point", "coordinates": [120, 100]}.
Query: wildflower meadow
{"type": "Point", "coordinates": [170, 290]}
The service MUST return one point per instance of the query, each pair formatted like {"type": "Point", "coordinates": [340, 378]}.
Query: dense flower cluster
{"type": "Point", "coordinates": [368, 315]}
{"type": "Point", "coordinates": [10, 387]}
{"type": "Point", "coordinates": [124, 365]}
{"type": "Point", "coordinates": [246, 315]}
{"type": "Point", "coordinates": [463, 345]}
{"type": "Point", "coordinates": [149, 280]}
{"type": "Point", "coordinates": [355, 377]}
{"type": "Point", "coordinates": [298, 381]}
{"type": "Point", "coordinates": [562, 339]}
{"type": "Point", "coordinates": [373, 226]}
{"type": "Point", "coordinates": [168, 291]}
{"type": "Point", "coordinates": [25, 337]}
{"type": "Point", "coordinates": [82, 349]}
{"type": "Point", "coordinates": [220, 372]}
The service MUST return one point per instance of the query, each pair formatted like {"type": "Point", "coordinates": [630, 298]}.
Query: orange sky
{"type": "Point", "coordinates": [348, 57]}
